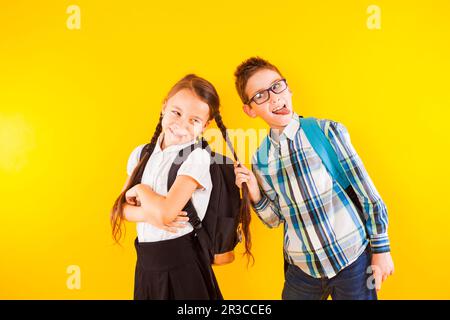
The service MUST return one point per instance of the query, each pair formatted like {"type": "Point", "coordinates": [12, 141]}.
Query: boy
{"type": "Point", "coordinates": [328, 247]}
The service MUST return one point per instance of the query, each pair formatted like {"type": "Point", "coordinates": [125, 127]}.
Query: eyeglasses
{"type": "Point", "coordinates": [264, 95]}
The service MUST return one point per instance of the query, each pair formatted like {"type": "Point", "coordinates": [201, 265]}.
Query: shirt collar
{"type": "Point", "coordinates": [172, 148]}
{"type": "Point", "coordinates": [289, 131]}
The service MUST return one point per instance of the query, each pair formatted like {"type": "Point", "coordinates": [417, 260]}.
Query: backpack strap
{"type": "Point", "coordinates": [323, 148]}
{"type": "Point", "coordinates": [203, 238]}
{"type": "Point", "coordinates": [146, 149]}
{"type": "Point", "coordinates": [262, 157]}
{"type": "Point", "coordinates": [194, 219]}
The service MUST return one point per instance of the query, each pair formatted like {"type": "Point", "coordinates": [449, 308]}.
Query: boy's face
{"type": "Point", "coordinates": [277, 110]}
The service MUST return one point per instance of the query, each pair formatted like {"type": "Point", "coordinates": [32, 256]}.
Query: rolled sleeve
{"type": "Point", "coordinates": [262, 204]}
{"type": "Point", "coordinates": [380, 243]}
{"type": "Point", "coordinates": [196, 166]}
{"type": "Point", "coordinates": [133, 159]}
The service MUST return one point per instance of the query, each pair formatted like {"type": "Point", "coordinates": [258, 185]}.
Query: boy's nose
{"type": "Point", "coordinates": [273, 98]}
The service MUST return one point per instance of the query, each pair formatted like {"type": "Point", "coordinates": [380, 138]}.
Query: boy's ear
{"type": "Point", "coordinates": [249, 111]}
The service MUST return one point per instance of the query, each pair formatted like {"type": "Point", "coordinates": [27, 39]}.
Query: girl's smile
{"type": "Point", "coordinates": [185, 116]}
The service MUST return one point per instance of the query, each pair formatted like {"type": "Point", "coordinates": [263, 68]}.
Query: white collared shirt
{"type": "Point", "coordinates": [156, 174]}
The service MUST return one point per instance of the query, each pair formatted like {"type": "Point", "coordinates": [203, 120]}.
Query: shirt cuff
{"type": "Point", "coordinates": [262, 203]}
{"type": "Point", "coordinates": [380, 243]}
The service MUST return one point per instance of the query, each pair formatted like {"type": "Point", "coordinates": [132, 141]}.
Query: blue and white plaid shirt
{"type": "Point", "coordinates": [323, 232]}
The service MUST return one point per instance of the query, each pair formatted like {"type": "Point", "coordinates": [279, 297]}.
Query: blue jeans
{"type": "Point", "coordinates": [351, 283]}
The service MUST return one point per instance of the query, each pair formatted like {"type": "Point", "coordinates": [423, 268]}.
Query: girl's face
{"type": "Point", "coordinates": [185, 117]}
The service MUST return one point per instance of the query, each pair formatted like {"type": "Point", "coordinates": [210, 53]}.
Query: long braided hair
{"type": "Point", "coordinates": [208, 94]}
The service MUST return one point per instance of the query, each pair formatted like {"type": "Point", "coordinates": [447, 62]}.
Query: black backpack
{"type": "Point", "coordinates": [218, 231]}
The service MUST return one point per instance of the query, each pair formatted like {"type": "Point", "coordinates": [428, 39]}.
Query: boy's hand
{"type": "Point", "coordinates": [383, 267]}
{"type": "Point", "coordinates": [245, 175]}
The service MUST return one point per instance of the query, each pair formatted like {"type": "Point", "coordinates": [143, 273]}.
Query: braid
{"type": "Point", "coordinates": [117, 216]}
{"type": "Point", "coordinates": [244, 214]}
{"type": "Point", "coordinates": [157, 132]}
{"type": "Point", "coordinates": [223, 130]}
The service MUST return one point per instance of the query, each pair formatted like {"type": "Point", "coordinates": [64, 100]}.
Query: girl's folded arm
{"type": "Point", "coordinates": [137, 214]}
{"type": "Point", "coordinates": [134, 213]}
{"type": "Point", "coordinates": [165, 209]}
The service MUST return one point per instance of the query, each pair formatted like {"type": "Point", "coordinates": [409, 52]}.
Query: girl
{"type": "Point", "coordinates": [169, 264]}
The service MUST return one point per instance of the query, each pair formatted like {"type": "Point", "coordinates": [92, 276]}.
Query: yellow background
{"type": "Point", "coordinates": [74, 103]}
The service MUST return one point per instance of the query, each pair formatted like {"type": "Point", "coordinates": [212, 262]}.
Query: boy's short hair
{"type": "Point", "coordinates": [248, 68]}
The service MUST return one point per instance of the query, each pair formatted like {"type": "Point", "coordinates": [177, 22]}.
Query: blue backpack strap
{"type": "Point", "coordinates": [262, 156]}
{"type": "Point", "coordinates": [322, 146]}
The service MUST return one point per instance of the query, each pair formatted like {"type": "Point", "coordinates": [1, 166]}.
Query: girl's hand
{"type": "Point", "coordinates": [175, 224]}
{"type": "Point", "coordinates": [132, 197]}
{"type": "Point", "coordinates": [245, 175]}
{"type": "Point", "coordinates": [138, 196]}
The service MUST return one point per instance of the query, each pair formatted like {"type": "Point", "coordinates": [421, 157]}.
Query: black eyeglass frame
{"type": "Point", "coordinates": [268, 89]}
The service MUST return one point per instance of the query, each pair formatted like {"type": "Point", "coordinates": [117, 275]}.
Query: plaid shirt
{"type": "Point", "coordinates": [323, 232]}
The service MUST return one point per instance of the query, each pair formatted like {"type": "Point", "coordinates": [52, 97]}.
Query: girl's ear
{"type": "Point", "coordinates": [249, 111]}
